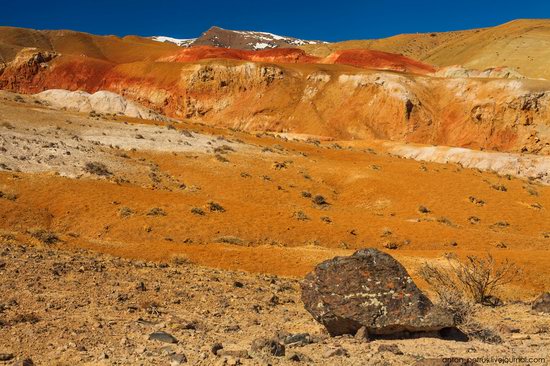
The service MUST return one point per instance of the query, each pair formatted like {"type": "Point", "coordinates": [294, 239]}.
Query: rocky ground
{"type": "Point", "coordinates": [77, 307]}
{"type": "Point", "coordinates": [184, 209]}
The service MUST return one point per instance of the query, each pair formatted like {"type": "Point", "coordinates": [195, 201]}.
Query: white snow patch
{"type": "Point", "coordinates": [182, 42]}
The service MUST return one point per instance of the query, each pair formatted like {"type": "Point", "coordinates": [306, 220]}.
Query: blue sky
{"type": "Point", "coordinates": [325, 20]}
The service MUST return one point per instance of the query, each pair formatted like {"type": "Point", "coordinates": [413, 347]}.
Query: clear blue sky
{"type": "Point", "coordinates": [325, 20]}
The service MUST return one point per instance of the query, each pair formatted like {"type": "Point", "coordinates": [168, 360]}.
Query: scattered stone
{"type": "Point", "coordinates": [236, 353]}
{"type": "Point", "coordinates": [162, 337]}
{"type": "Point", "coordinates": [216, 347]}
{"type": "Point", "coordinates": [6, 356]}
{"type": "Point", "coordinates": [392, 348]}
{"type": "Point", "coordinates": [299, 357]}
{"type": "Point", "coordinates": [268, 346]}
{"type": "Point", "coordinates": [370, 289]}
{"type": "Point", "coordinates": [177, 359]}
{"type": "Point", "coordinates": [362, 334]}
{"type": "Point", "coordinates": [27, 362]}
{"type": "Point", "coordinates": [339, 351]}
{"type": "Point", "coordinates": [299, 339]}
{"type": "Point", "coordinates": [542, 303]}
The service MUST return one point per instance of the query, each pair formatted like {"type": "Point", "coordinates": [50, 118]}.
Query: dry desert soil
{"type": "Point", "coordinates": [114, 228]}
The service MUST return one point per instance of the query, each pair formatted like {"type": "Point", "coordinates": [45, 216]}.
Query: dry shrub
{"type": "Point", "coordinates": [473, 280]}
{"type": "Point", "coordinates": [45, 236]}
{"type": "Point", "coordinates": [97, 168]}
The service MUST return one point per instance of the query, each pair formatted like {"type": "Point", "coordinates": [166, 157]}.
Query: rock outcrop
{"type": "Point", "coordinates": [370, 289]}
{"type": "Point", "coordinates": [99, 102]}
{"type": "Point", "coordinates": [332, 101]}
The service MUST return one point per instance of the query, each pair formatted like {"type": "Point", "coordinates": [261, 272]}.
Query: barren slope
{"type": "Point", "coordinates": [152, 201]}
{"type": "Point", "coordinates": [523, 45]}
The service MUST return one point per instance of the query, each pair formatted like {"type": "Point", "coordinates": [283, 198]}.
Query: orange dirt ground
{"type": "Point", "coordinates": [373, 200]}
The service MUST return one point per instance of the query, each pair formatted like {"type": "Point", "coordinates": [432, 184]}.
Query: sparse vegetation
{"type": "Point", "coordinates": [300, 215]}
{"type": "Point", "coordinates": [197, 211]}
{"type": "Point", "coordinates": [156, 211]}
{"type": "Point", "coordinates": [476, 279]}
{"type": "Point", "coordinates": [500, 225]}
{"type": "Point", "coordinates": [7, 236]}
{"type": "Point", "coordinates": [424, 210]}
{"type": "Point", "coordinates": [215, 207]}
{"type": "Point", "coordinates": [476, 201]}
{"type": "Point", "coordinates": [499, 187]}
{"type": "Point", "coordinates": [125, 212]}
{"type": "Point", "coordinates": [474, 220]}
{"type": "Point", "coordinates": [320, 200]}
{"type": "Point", "coordinates": [45, 236]}
{"type": "Point", "coordinates": [8, 196]}
{"type": "Point", "coordinates": [279, 165]}
{"type": "Point", "coordinates": [97, 168]}
{"type": "Point", "coordinates": [445, 221]}
{"type": "Point", "coordinates": [230, 240]}
{"type": "Point", "coordinates": [221, 158]}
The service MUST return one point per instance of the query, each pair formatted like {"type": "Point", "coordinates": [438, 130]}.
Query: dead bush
{"type": "Point", "coordinates": [221, 158]}
{"type": "Point", "coordinates": [476, 279]}
{"type": "Point", "coordinates": [320, 200]}
{"type": "Point", "coordinates": [156, 211]}
{"type": "Point", "coordinates": [300, 215]}
{"type": "Point", "coordinates": [45, 236]}
{"type": "Point", "coordinates": [8, 196]}
{"type": "Point", "coordinates": [97, 168]}
{"type": "Point", "coordinates": [228, 239]}
{"type": "Point", "coordinates": [215, 207]}
{"type": "Point", "coordinates": [424, 210]}
{"type": "Point", "coordinates": [197, 211]}
{"type": "Point", "coordinates": [125, 212]}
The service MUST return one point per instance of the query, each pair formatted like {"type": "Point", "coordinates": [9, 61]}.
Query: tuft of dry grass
{"type": "Point", "coordinates": [43, 235]}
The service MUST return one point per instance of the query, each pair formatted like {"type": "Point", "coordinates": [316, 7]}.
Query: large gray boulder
{"type": "Point", "coordinates": [370, 289]}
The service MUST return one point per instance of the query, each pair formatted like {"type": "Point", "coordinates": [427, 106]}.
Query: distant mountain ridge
{"type": "Point", "coordinates": [243, 40]}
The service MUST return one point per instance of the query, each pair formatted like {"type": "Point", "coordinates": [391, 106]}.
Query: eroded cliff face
{"type": "Point", "coordinates": [332, 101]}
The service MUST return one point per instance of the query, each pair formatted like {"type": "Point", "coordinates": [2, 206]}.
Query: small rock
{"type": "Point", "coordinates": [392, 348]}
{"type": "Point", "coordinates": [6, 356]}
{"type": "Point", "coordinates": [299, 339]}
{"type": "Point", "coordinates": [162, 337]}
{"type": "Point", "coordinates": [362, 334]}
{"type": "Point", "coordinates": [336, 352]}
{"type": "Point", "coordinates": [236, 353]}
{"type": "Point", "coordinates": [177, 359]}
{"type": "Point", "coordinates": [216, 347]}
{"type": "Point", "coordinates": [269, 346]}
{"type": "Point", "coordinates": [167, 351]}
{"type": "Point", "coordinates": [299, 357]}
{"type": "Point", "coordinates": [27, 362]}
